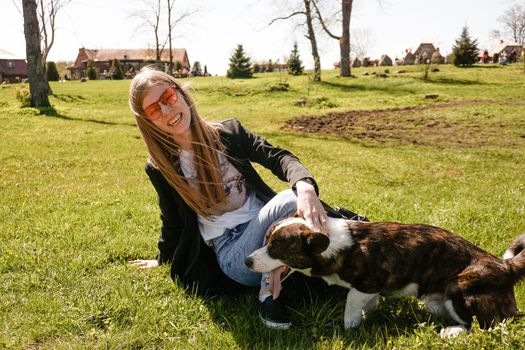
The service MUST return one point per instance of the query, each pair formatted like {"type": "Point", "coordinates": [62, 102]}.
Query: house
{"type": "Point", "coordinates": [13, 69]}
{"type": "Point", "coordinates": [132, 60]}
{"type": "Point", "coordinates": [424, 52]}
{"type": "Point", "coordinates": [511, 49]}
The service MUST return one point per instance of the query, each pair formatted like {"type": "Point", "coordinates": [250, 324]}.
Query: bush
{"type": "Point", "coordinates": [23, 95]}
{"type": "Point", "coordinates": [52, 72]}
{"type": "Point", "coordinates": [240, 66]}
{"type": "Point", "coordinates": [91, 71]}
{"type": "Point", "coordinates": [116, 70]}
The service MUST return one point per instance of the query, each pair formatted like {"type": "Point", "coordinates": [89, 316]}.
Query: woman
{"type": "Point", "coordinates": [215, 208]}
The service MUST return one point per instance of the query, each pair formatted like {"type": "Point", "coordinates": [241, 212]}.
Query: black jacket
{"type": "Point", "coordinates": [180, 242]}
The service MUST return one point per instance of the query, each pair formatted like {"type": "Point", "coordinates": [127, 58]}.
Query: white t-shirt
{"type": "Point", "coordinates": [242, 203]}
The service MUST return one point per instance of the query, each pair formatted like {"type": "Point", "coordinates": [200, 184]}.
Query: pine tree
{"type": "Point", "coordinates": [295, 65]}
{"type": "Point", "coordinates": [465, 52]}
{"type": "Point", "coordinates": [196, 70]}
{"type": "Point", "coordinates": [52, 72]}
{"type": "Point", "coordinates": [116, 70]}
{"type": "Point", "coordinates": [240, 66]}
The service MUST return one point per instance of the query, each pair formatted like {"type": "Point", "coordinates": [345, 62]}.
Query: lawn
{"type": "Point", "coordinates": [76, 205]}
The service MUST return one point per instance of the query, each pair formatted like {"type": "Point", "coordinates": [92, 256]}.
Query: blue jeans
{"type": "Point", "coordinates": [237, 243]}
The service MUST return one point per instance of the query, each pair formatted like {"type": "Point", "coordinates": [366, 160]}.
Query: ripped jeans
{"type": "Point", "coordinates": [237, 243]}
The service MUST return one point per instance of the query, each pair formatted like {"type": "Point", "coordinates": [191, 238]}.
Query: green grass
{"type": "Point", "coordinates": [76, 206]}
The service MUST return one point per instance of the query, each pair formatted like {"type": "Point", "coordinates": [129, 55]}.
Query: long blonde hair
{"type": "Point", "coordinates": [209, 196]}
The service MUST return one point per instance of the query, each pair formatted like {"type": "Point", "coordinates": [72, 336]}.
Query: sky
{"type": "Point", "coordinates": [211, 35]}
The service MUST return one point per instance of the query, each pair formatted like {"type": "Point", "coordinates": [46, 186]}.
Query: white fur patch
{"type": "Point", "coordinates": [410, 290]}
{"type": "Point", "coordinates": [508, 255]}
{"type": "Point", "coordinates": [355, 303]}
{"type": "Point", "coordinates": [339, 237]}
{"type": "Point", "coordinates": [262, 262]}
{"type": "Point", "coordinates": [451, 332]}
{"type": "Point", "coordinates": [334, 279]}
{"type": "Point", "coordinates": [434, 304]}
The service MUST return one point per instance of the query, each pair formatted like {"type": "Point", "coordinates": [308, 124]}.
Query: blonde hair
{"type": "Point", "coordinates": [209, 196]}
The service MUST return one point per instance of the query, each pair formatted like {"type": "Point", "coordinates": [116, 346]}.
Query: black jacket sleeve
{"type": "Point", "coordinates": [172, 222]}
{"type": "Point", "coordinates": [280, 162]}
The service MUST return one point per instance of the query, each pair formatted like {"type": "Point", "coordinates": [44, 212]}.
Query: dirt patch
{"type": "Point", "coordinates": [414, 125]}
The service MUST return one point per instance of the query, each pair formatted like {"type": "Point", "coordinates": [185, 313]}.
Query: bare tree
{"type": "Point", "coordinates": [306, 12]}
{"type": "Point", "coordinates": [344, 38]}
{"type": "Point", "coordinates": [173, 22]}
{"type": "Point", "coordinates": [150, 18]}
{"type": "Point", "coordinates": [513, 21]}
{"type": "Point", "coordinates": [38, 85]}
{"type": "Point", "coordinates": [361, 42]}
{"type": "Point", "coordinates": [47, 12]}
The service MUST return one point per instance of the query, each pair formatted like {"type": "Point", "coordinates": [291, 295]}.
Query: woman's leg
{"type": "Point", "coordinates": [236, 244]}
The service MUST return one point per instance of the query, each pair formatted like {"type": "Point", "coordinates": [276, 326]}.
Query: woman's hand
{"type": "Point", "coordinates": [310, 208]}
{"type": "Point", "coordinates": [144, 264]}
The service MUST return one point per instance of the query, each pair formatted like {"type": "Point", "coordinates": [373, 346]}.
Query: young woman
{"type": "Point", "coordinates": [215, 208]}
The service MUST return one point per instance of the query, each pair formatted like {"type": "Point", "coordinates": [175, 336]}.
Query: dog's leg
{"type": "Point", "coordinates": [371, 305]}
{"type": "Point", "coordinates": [355, 303]}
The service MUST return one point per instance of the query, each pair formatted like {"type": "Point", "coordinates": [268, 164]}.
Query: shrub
{"type": "Point", "coordinates": [116, 70]}
{"type": "Point", "coordinates": [23, 95]}
{"type": "Point", "coordinates": [240, 66]}
{"type": "Point", "coordinates": [91, 71]}
{"type": "Point", "coordinates": [52, 72]}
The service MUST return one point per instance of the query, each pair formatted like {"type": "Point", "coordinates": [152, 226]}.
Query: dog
{"type": "Point", "coordinates": [453, 277]}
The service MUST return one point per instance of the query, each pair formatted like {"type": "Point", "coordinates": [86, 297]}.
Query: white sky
{"type": "Point", "coordinates": [212, 34]}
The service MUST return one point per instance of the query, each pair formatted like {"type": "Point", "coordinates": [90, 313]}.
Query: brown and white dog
{"type": "Point", "coordinates": [453, 277]}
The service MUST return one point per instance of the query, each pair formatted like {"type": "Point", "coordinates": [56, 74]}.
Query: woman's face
{"type": "Point", "coordinates": [165, 107]}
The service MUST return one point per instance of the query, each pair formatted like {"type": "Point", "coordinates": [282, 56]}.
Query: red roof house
{"type": "Point", "coordinates": [130, 59]}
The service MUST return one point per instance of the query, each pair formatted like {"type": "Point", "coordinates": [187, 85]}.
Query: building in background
{"type": "Point", "coordinates": [131, 60]}
{"type": "Point", "coordinates": [13, 69]}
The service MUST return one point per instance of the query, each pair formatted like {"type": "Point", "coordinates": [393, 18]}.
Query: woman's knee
{"type": "Point", "coordinates": [287, 199]}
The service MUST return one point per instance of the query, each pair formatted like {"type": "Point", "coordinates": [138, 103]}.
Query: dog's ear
{"type": "Point", "coordinates": [317, 242]}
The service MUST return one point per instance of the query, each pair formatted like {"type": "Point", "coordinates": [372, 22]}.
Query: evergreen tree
{"type": "Point", "coordinates": [91, 71]}
{"type": "Point", "coordinates": [52, 72]}
{"type": "Point", "coordinates": [205, 71]}
{"type": "Point", "coordinates": [240, 66]}
{"type": "Point", "coordinates": [196, 70]}
{"type": "Point", "coordinates": [295, 65]}
{"type": "Point", "coordinates": [116, 70]}
{"type": "Point", "coordinates": [270, 68]}
{"type": "Point", "coordinates": [178, 66]}
{"type": "Point", "coordinates": [465, 52]}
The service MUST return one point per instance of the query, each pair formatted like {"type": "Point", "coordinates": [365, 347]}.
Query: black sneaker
{"type": "Point", "coordinates": [273, 315]}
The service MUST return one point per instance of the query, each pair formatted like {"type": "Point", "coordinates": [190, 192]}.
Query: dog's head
{"type": "Point", "coordinates": [290, 242]}
{"type": "Point", "coordinates": [484, 291]}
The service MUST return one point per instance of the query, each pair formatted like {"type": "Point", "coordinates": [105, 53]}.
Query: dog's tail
{"type": "Point", "coordinates": [515, 258]}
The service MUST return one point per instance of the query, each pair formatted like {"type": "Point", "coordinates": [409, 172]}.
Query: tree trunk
{"type": "Point", "coordinates": [38, 85]}
{"type": "Point", "coordinates": [344, 42]}
{"type": "Point", "coordinates": [170, 6]}
{"type": "Point", "coordinates": [313, 41]}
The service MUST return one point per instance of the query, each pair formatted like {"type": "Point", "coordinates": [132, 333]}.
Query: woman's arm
{"type": "Point", "coordinates": [287, 167]}
{"type": "Point", "coordinates": [171, 222]}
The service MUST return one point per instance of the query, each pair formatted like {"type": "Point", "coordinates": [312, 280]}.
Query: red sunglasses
{"type": "Point", "coordinates": [168, 97]}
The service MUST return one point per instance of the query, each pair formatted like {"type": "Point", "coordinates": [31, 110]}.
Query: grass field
{"type": "Point", "coordinates": [76, 205]}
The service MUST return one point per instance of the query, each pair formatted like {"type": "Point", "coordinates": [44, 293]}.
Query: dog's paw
{"type": "Point", "coordinates": [352, 322]}
{"type": "Point", "coordinates": [452, 332]}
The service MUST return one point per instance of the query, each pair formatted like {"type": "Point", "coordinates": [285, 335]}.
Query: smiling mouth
{"type": "Point", "coordinates": [175, 120]}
